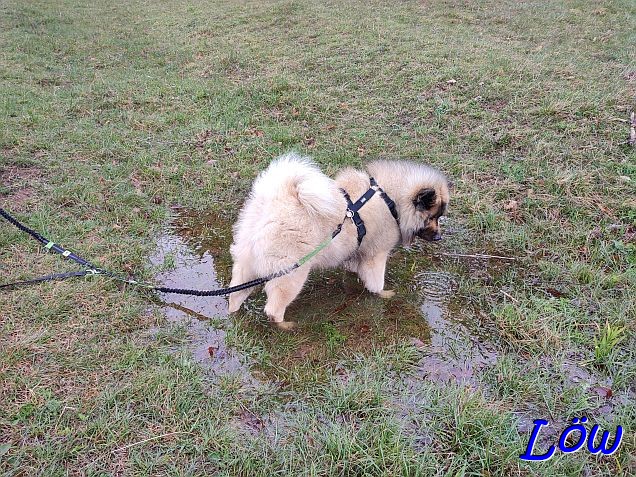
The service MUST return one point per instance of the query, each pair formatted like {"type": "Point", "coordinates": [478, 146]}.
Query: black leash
{"type": "Point", "coordinates": [93, 270]}
{"type": "Point", "coordinates": [51, 246]}
{"type": "Point", "coordinates": [46, 278]}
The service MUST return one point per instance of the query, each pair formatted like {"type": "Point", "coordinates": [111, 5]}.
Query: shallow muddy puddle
{"type": "Point", "coordinates": [434, 311]}
{"type": "Point", "coordinates": [182, 264]}
{"type": "Point", "coordinates": [336, 317]}
{"type": "Point", "coordinates": [454, 353]}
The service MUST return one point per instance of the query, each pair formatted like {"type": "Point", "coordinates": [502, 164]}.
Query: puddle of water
{"type": "Point", "coordinates": [181, 267]}
{"type": "Point", "coordinates": [336, 316]}
{"type": "Point", "coordinates": [454, 353]}
{"type": "Point", "coordinates": [206, 233]}
{"type": "Point", "coordinates": [337, 319]}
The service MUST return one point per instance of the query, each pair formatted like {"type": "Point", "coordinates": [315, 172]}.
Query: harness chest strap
{"type": "Point", "coordinates": [354, 207]}
{"type": "Point", "coordinates": [352, 213]}
{"type": "Point", "coordinates": [387, 200]}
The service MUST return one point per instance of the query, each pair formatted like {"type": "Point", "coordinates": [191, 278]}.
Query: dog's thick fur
{"type": "Point", "coordinates": [293, 207]}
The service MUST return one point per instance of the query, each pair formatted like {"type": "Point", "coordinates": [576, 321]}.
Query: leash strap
{"type": "Point", "coordinates": [46, 278]}
{"type": "Point", "coordinates": [50, 246]}
{"type": "Point", "coordinates": [92, 270]}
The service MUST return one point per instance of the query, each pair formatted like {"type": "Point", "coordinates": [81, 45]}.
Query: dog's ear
{"type": "Point", "coordinates": [425, 199]}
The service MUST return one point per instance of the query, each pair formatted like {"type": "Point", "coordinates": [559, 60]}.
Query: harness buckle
{"type": "Point", "coordinates": [349, 213]}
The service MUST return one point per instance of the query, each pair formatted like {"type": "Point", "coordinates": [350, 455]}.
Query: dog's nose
{"type": "Point", "coordinates": [437, 237]}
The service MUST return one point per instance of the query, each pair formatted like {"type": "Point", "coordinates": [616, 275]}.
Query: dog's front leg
{"type": "Point", "coordinates": [371, 271]}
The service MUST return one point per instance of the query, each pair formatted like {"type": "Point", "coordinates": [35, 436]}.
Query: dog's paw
{"type": "Point", "coordinates": [234, 305]}
{"type": "Point", "coordinates": [285, 325]}
{"type": "Point", "coordinates": [386, 294]}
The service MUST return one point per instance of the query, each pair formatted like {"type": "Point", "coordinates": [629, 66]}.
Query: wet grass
{"type": "Point", "coordinates": [114, 114]}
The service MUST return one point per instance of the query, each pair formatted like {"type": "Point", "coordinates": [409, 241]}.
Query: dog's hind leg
{"type": "Point", "coordinates": [281, 292]}
{"type": "Point", "coordinates": [371, 271]}
{"type": "Point", "coordinates": [240, 274]}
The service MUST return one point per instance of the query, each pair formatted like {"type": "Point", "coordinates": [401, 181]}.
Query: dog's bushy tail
{"type": "Point", "coordinates": [296, 178]}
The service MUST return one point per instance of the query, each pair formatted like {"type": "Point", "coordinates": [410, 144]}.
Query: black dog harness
{"type": "Point", "coordinates": [354, 207]}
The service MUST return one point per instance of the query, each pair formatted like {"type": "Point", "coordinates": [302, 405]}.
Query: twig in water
{"type": "Point", "coordinates": [478, 255]}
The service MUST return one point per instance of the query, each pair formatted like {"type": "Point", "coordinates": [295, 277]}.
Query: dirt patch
{"type": "Point", "coordinates": [52, 82]}
{"type": "Point", "coordinates": [495, 105]}
{"type": "Point", "coordinates": [17, 200]}
{"type": "Point", "coordinates": [18, 186]}
{"type": "Point", "coordinates": [16, 176]}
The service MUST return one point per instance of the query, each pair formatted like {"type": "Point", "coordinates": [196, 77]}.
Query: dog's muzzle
{"type": "Point", "coordinates": [429, 235]}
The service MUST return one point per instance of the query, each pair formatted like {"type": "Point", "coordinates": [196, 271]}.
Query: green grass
{"type": "Point", "coordinates": [111, 113]}
{"type": "Point", "coordinates": [604, 346]}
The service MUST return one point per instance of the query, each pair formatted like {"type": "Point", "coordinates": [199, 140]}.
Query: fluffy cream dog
{"type": "Point", "coordinates": [293, 207]}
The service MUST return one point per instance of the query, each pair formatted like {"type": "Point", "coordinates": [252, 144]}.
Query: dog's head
{"type": "Point", "coordinates": [421, 194]}
{"type": "Point", "coordinates": [430, 204]}
{"type": "Point", "coordinates": [425, 204]}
